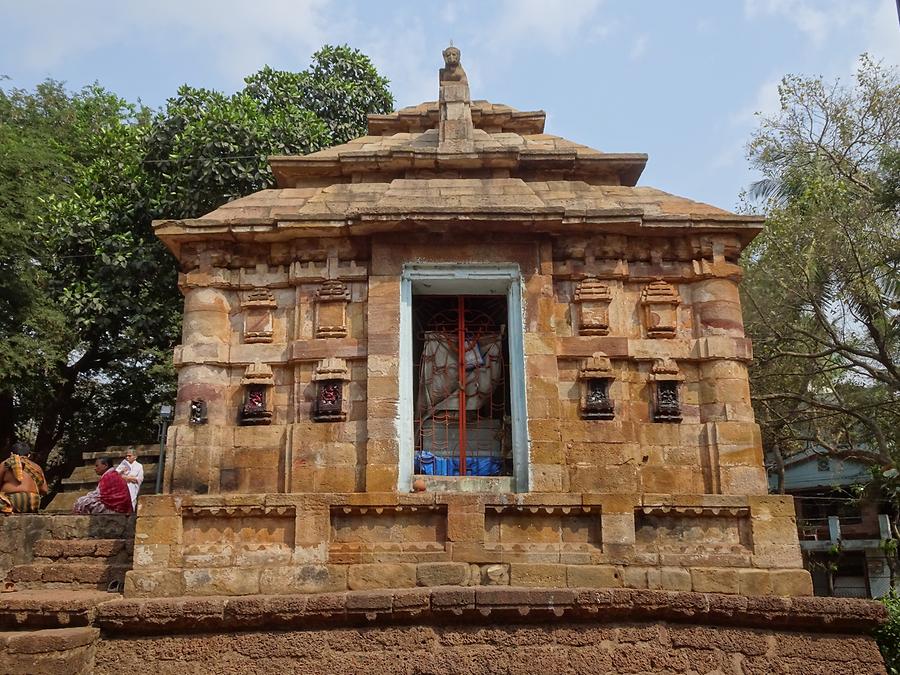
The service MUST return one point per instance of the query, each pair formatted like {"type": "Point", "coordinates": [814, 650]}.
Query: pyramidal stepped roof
{"type": "Point", "coordinates": [456, 159]}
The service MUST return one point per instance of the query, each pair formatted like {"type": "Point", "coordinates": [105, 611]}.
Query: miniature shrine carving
{"type": "Point", "coordinates": [592, 299]}
{"type": "Point", "coordinates": [197, 412]}
{"type": "Point", "coordinates": [331, 309]}
{"type": "Point", "coordinates": [666, 380]}
{"type": "Point", "coordinates": [331, 402]}
{"type": "Point", "coordinates": [660, 301]}
{"type": "Point", "coordinates": [257, 383]}
{"type": "Point", "coordinates": [258, 321]}
{"type": "Point", "coordinates": [596, 376]}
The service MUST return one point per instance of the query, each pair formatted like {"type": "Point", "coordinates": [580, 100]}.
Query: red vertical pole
{"type": "Point", "coordinates": [461, 339]}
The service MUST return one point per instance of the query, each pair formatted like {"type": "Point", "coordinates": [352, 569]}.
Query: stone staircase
{"type": "Point", "coordinates": [83, 479]}
{"type": "Point", "coordinates": [75, 553]}
{"type": "Point", "coordinates": [57, 570]}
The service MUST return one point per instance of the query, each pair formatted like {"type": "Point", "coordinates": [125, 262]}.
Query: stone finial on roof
{"type": "Point", "coordinates": [456, 128]}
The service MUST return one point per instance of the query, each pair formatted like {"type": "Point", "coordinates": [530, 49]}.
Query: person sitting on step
{"type": "Point", "coordinates": [133, 472]}
{"type": "Point", "coordinates": [22, 482]}
{"type": "Point", "coordinates": [111, 494]}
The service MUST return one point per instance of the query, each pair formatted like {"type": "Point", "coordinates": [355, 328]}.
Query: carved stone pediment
{"type": "Point", "coordinates": [331, 309]}
{"type": "Point", "coordinates": [659, 301]}
{"type": "Point", "coordinates": [257, 306]}
{"type": "Point", "coordinates": [592, 300]}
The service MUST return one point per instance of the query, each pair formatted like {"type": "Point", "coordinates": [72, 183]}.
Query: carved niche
{"type": "Point", "coordinates": [197, 412]}
{"type": "Point", "coordinates": [256, 401]}
{"type": "Point", "coordinates": [659, 301]}
{"type": "Point", "coordinates": [592, 298]}
{"type": "Point", "coordinates": [258, 306]}
{"type": "Point", "coordinates": [331, 309]}
{"type": "Point", "coordinates": [332, 404]}
{"type": "Point", "coordinates": [666, 387]}
{"type": "Point", "coordinates": [596, 378]}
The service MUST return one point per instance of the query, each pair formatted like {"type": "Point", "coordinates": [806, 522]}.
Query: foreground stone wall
{"type": "Point", "coordinates": [295, 543]}
{"type": "Point", "coordinates": [519, 648]}
{"type": "Point", "coordinates": [443, 630]}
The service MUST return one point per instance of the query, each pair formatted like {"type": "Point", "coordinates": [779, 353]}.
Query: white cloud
{"type": "Point", "coordinates": [638, 47]}
{"type": "Point", "coordinates": [238, 36]}
{"type": "Point", "coordinates": [817, 19]}
{"type": "Point", "coordinates": [765, 102]}
{"type": "Point", "coordinates": [883, 33]}
{"type": "Point", "coordinates": [403, 53]}
{"type": "Point", "coordinates": [552, 24]}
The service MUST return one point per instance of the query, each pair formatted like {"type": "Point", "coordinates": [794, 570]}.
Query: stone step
{"type": "Point", "coordinates": [82, 550]}
{"type": "Point", "coordinates": [87, 477]}
{"type": "Point", "coordinates": [64, 501]}
{"type": "Point", "coordinates": [69, 575]}
{"type": "Point", "coordinates": [56, 608]}
{"type": "Point", "coordinates": [117, 453]}
{"type": "Point", "coordinates": [57, 650]}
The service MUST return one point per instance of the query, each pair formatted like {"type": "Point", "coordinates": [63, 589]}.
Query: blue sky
{"type": "Point", "coordinates": [678, 79]}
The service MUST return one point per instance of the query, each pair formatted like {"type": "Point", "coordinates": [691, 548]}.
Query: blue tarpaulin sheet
{"type": "Point", "coordinates": [433, 465]}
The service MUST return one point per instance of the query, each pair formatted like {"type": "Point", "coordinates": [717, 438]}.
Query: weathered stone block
{"type": "Point", "coordinates": [755, 582]}
{"type": "Point", "coordinates": [634, 576]}
{"type": "Point", "coordinates": [381, 575]}
{"type": "Point", "coordinates": [795, 582]}
{"type": "Point", "coordinates": [715, 580]}
{"type": "Point", "coordinates": [442, 574]}
{"type": "Point", "coordinates": [674, 579]}
{"type": "Point", "coordinates": [593, 576]}
{"type": "Point", "coordinates": [221, 581]}
{"type": "Point", "coordinates": [303, 579]}
{"type": "Point", "coordinates": [154, 583]}
{"type": "Point", "coordinates": [528, 574]}
{"type": "Point", "coordinates": [158, 530]}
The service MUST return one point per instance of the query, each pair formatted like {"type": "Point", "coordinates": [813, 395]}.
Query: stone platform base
{"type": "Point", "coordinates": [454, 630]}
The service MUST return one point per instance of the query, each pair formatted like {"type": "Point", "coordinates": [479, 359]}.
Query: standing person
{"type": "Point", "coordinates": [133, 472]}
{"type": "Point", "coordinates": [111, 494]}
{"type": "Point", "coordinates": [22, 482]}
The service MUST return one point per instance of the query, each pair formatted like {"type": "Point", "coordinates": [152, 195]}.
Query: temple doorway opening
{"type": "Point", "coordinates": [462, 401]}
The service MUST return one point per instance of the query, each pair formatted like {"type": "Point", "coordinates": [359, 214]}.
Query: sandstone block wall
{"type": "Point", "coordinates": [295, 543]}
{"type": "Point", "coordinates": [651, 305]}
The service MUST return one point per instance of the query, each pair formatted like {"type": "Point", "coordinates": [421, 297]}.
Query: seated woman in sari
{"type": "Point", "coordinates": [22, 482]}
{"type": "Point", "coordinates": [111, 494]}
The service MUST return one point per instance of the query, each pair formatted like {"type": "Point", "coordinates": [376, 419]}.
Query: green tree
{"type": "Point", "coordinates": [89, 307]}
{"type": "Point", "coordinates": [822, 293]}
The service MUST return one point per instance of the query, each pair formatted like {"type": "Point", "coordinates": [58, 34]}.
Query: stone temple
{"type": "Point", "coordinates": [459, 350]}
{"type": "Point", "coordinates": [455, 397]}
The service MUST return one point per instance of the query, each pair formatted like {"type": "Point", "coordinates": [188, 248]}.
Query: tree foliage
{"type": "Point", "coordinates": [89, 307]}
{"type": "Point", "coordinates": [888, 635]}
{"type": "Point", "coordinates": [822, 293]}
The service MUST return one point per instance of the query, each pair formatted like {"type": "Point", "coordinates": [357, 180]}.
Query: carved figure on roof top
{"type": "Point", "coordinates": [452, 70]}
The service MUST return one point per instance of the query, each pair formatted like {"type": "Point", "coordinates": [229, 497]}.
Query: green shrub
{"type": "Point", "coordinates": [888, 636]}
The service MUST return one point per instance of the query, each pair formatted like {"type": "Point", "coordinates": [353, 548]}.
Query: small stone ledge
{"type": "Point", "coordinates": [57, 608]}
{"type": "Point", "coordinates": [488, 604]}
